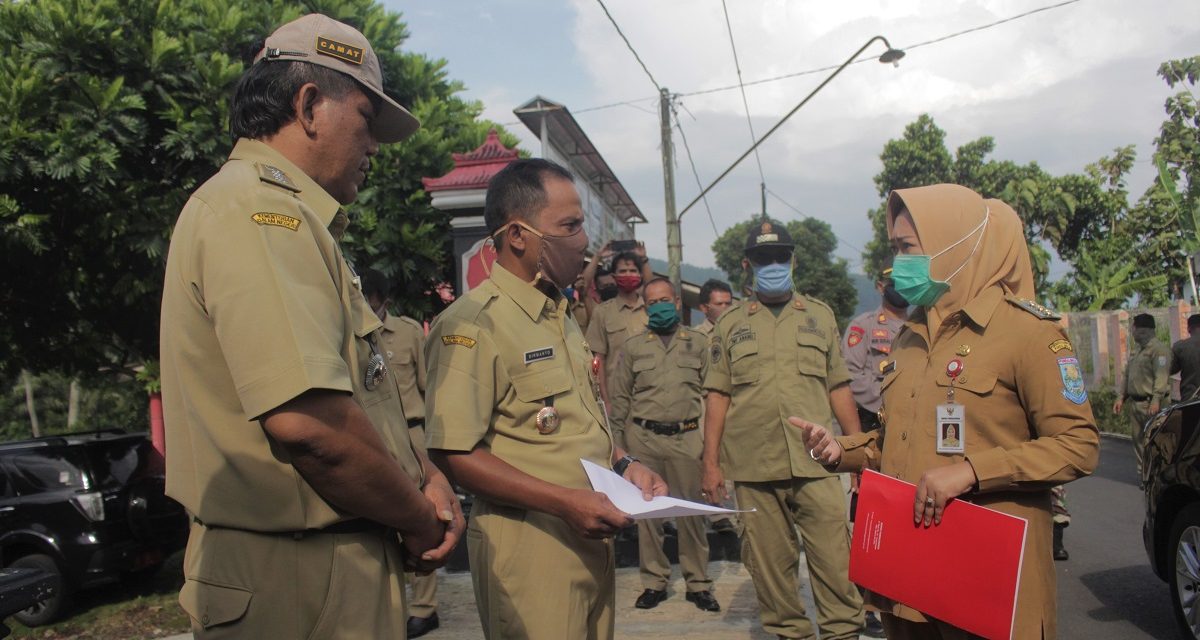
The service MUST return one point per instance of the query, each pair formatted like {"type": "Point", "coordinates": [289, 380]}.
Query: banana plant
{"type": "Point", "coordinates": [1188, 212]}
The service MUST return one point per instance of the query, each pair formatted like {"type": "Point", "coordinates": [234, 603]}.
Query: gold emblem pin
{"type": "Point", "coordinates": [963, 350]}
{"type": "Point", "coordinates": [547, 420]}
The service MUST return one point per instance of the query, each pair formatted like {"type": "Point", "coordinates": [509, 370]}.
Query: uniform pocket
{"type": "Point", "coordinates": [211, 604]}
{"type": "Point", "coordinates": [743, 362]}
{"type": "Point", "coordinates": [980, 383]}
{"type": "Point", "coordinates": [690, 362]}
{"type": "Point", "coordinates": [366, 346]}
{"type": "Point", "coordinates": [811, 354]}
{"type": "Point", "coordinates": [535, 386]}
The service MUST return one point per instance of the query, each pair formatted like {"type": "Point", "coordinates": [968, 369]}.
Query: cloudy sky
{"type": "Point", "coordinates": [1062, 87]}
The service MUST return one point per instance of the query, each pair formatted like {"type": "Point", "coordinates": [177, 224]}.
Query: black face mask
{"type": "Point", "coordinates": [608, 292]}
{"type": "Point", "coordinates": [893, 297]}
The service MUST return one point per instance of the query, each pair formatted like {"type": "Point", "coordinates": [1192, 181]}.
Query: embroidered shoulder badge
{"type": "Point", "coordinates": [1060, 345]}
{"type": "Point", "coordinates": [855, 336]}
{"type": "Point", "coordinates": [461, 341]}
{"type": "Point", "coordinates": [716, 350]}
{"type": "Point", "coordinates": [276, 220]}
{"type": "Point", "coordinates": [1072, 378]}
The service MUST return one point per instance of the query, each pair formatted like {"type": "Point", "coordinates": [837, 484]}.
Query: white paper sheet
{"type": "Point", "coordinates": [628, 498]}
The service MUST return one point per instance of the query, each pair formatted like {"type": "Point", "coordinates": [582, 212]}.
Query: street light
{"type": "Point", "coordinates": [892, 55]}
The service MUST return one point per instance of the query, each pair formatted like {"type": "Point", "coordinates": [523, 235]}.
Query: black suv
{"type": "Point", "coordinates": [87, 508]}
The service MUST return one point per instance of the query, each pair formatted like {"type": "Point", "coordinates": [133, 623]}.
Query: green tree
{"type": "Point", "coordinates": [114, 110]}
{"type": "Point", "coordinates": [817, 272]}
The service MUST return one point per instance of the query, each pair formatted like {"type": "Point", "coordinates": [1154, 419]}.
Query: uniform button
{"type": "Point", "coordinates": [204, 620]}
{"type": "Point", "coordinates": [904, 435]}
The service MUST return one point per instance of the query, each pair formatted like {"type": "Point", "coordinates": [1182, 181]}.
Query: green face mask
{"type": "Point", "coordinates": [663, 317]}
{"type": "Point", "coordinates": [911, 276]}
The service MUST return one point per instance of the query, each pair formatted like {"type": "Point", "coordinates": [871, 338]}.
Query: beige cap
{"type": "Point", "coordinates": [319, 39]}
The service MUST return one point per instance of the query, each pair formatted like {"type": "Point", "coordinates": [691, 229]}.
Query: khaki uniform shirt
{"type": "Point", "coordinates": [498, 356]}
{"type": "Point", "coordinates": [705, 327]}
{"type": "Point", "coordinates": [610, 326]}
{"type": "Point", "coordinates": [1147, 373]}
{"type": "Point", "coordinates": [1028, 425]}
{"type": "Point", "coordinates": [404, 340]}
{"type": "Point", "coordinates": [772, 368]}
{"type": "Point", "coordinates": [1185, 360]}
{"type": "Point", "coordinates": [259, 307]}
{"type": "Point", "coordinates": [657, 382]}
{"type": "Point", "coordinates": [866, 345]}
{"type": "Point", "coordinates": [580, 313]}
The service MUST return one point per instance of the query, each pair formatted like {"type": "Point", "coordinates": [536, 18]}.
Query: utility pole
{"type": "Point", "coordinates": [674, 238]}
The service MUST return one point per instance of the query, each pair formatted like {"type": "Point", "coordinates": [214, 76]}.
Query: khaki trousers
{"type": "Point", "coordinates": [771, 552]}
{"type": "Point", "coordinates": [677, 459]}
{"type": "Point", "coordinates": [537, 579]}
{"type": "Point", "coordinates": [242, 584]}
{"type": "Point", "coordinates": [1138, 412]}
{"type": "Point", "coordinates": [423, 600]}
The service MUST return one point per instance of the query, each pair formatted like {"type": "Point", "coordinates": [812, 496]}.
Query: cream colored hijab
{"type": "Point", "coordinates": [946, 213]}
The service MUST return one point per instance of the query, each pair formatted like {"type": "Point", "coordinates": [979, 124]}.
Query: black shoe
{"type": "Point", "coordinates": [872, 628]}
{"type": "Point", "coordinates": [668, 529]}
{"type": "Point", "coordinates": [1060, 552]}
{"type": "Point", "coordinates": [650, 598]}
{"type": "Point", "coordinates": [703, 600]}
{"type": "Point", "coordinates": [724, 525]}
{"type": "Point", "coordinates": [418, 627]}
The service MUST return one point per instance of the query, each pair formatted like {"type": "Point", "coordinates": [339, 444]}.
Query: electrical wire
{"type": "Point", "coordinates": [806, 72]}
{"type": "Point", "coordinates": [805, 215]}
{"type": "Point", "coordinates": [628, 44]}
{"type": "Point", "coordinates": [745, 103]}
{"type": "Point", "coordinates": [695, 173]}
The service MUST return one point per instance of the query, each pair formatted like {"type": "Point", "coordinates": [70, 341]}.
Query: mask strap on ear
{"type": "Point", "coordinates": [982, 228]}
{"type": "Point", "coordinates": [528, 228]}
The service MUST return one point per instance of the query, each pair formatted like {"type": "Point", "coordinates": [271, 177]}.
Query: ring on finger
{"type": "Point", "coordinates": [929, 502]}
{"type": "Point", "coordinates": [812, 453]}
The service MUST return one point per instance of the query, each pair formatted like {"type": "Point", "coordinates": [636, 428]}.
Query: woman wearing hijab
{"type": "Point", "coordinates": [975, 341]}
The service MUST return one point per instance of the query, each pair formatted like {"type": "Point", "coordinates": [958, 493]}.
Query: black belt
{"type": "Point", "coordinates": [668, 428]}
{"type": "Point", "coordinates": [416, 422]}
{"type": "Point", "coordinates": [1139, 398]}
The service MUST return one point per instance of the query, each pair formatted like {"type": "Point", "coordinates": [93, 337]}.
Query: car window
{"type": "Point", "coordinates": [43, 471]}
{"type": "Point", "coordinates": [115, 463]}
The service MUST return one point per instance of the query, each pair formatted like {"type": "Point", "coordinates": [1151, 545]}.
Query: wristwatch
{"type": "Point", "coordinates": [623, 464]}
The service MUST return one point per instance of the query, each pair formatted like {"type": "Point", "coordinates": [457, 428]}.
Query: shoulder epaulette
{"type": "Point", "coordinates": [1033, 308]}
{"type": "Point", "coordinates": [276, 176]}
{"type": "Point", "coordinates": [819, 303]}
{"type": "Point", "coordinates": [412, 321]}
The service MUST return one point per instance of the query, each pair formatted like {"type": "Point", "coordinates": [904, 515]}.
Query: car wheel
{"type": "Point", "coordinates": [49, 609]}
{"type": "Point", "coordinates": [1184, 569]}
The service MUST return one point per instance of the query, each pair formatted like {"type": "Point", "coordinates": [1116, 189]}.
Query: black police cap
{"type": "Point", "coordinates": [768, 234]}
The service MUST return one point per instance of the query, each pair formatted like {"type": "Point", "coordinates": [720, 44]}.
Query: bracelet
{"type": "Point", "coordinates": [623, 464]}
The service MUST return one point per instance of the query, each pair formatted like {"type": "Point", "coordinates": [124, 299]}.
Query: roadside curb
{"type": "Point", "coordinates": [1116, 436]}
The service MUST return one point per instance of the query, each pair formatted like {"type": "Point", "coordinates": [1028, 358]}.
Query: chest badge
{"type": "Point", "coordinates": [954, 368]}
{"type": "Point", "coordinates": [963, 350]}
{"type": "Point", "coordinates": [375, 372]}
{"type": "Point", "coordinates": [547, 420]}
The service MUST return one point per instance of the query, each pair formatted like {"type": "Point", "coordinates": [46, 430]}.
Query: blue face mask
{"type": "Point", "coordinates": [774, 278]}
{"type": "Point", "coordinates": [569, 293]}
{"type": "Point", "coordinates": [911, 276]}
{"type": "Point", "coordinates": [663, 317]}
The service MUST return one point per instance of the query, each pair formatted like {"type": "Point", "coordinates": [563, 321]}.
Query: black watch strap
{"type": "Point", "coordinates": [623, 464]}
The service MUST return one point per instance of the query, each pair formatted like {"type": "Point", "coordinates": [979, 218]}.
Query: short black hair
{"type": "Point", "coordinates": [626, 256]}
{"type": "Point", "coordinates": [1193, 321]}
{"type": "Point", "coordinates": [519, 190]}
{"type": "Point", "coordinates": [262, 99]}
{"type": "Point", "coordinates": [374, 283]}
{"type": "Point", "coordinates": [707, 289]}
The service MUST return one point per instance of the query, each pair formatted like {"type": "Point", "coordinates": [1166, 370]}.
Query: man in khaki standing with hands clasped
{"type": "Point", "coordinates": [772, 356]}
{"type": "Point", "coordinates": [286, 439]}
{"type": "Point", "coordinates": [1147, 382]}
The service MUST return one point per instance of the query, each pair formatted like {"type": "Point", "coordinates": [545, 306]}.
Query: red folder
{"type": "Point", "coordinates": [964, 571]}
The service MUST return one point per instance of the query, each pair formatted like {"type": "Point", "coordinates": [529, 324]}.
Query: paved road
{"type": "Point", "coordinates": [1107, 589]}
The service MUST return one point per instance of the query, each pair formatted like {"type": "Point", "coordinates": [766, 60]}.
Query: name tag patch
{"type": "Point", "coordinates": [339, 50]}
{"type": "Point", "coordinates": [738, 338]}
{"type": "Point", "coordinates": [461, 341]}
{"type": "Point", "coordinates": [276, 220]}
{"type": "Point", "coordinates": [537, 355]}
